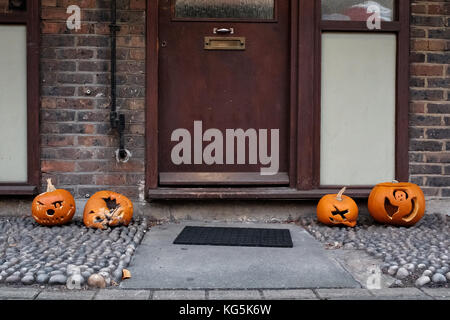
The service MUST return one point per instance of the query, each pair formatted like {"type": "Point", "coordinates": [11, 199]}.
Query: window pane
{"type": "Point", "coordinates": [225, 9]}
{"type": "Point", "coordinates": [13, 104]}
{"type": "Point", "coordinates": [8, 6]}
{"type": "Point", "coordinates": [355, 10]}
{"type": "Point", "coordinates": [358, 108]}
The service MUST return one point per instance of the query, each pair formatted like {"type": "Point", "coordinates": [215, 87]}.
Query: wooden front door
{"type": "Point", "coordinates": [224, 79]}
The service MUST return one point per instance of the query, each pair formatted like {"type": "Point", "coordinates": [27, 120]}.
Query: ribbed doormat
{"type": "Point", "coordinates": [245, 237]}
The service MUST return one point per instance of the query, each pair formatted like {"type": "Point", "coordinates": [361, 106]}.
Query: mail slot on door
{"type": "Point", "coordinates": [224, 43]}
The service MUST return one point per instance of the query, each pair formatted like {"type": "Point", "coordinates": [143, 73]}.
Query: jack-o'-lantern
{"type": "Point", "coordinates": [397, 203]}
{"type": "Point", "coordinates": [107, 208]}
{"type": "Point", "coordinates": [53, 207]}
{"type": "Point", "coordinates": [337, 209]}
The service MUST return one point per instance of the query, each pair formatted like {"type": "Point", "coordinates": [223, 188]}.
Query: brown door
{"type": "Point", "coordinates": [224, 66]}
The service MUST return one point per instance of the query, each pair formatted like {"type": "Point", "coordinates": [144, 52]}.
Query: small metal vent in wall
{"type": "Point", "coordinates": [19, 5]}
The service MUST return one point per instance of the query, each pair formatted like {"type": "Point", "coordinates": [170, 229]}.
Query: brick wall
{"type": "Point", "coordinates": [78, 147]}
{"type": "Point", "coordinates": [430, 98]}
{"type": "Point", "coordinates": [77, 143]}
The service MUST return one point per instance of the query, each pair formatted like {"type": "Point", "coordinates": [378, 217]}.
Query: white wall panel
{"type": "Point", "coordinates": [358, 108]}
{"type": "Point", "coordinates": [13, 103]}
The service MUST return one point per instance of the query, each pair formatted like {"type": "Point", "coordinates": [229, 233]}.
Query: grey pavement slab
{"type": "Point", "coordinates": [293, 294]}
{"type": "Point", "coordinates": [18, 293]}
{"type": "Point", "coordinates": [234, 295]}
{"type": "Point", "coordinates": [179, 295]}
{"type": "Point", "coordinates": [159, 264]}
{"type": "Point", "coordinates": [437, 292]}
{"type": "Point", "coordinates": [116, 294]}
{"type": "Point", "coordinates": [398, 293]}
{"type": "Point", "coordinates": [66, 295]}
{"type": "Point", "coordinates": [361, 266]}
{"type": "Point", "coordinates": [361, 294]}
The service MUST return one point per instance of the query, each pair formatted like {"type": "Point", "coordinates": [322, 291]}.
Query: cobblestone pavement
{"type": "Point", "coordinates": [65, 255]}
{"type": "Point", "coordinates": [416, 256]}
{"type": "Point", "coordinates": [11, 293]}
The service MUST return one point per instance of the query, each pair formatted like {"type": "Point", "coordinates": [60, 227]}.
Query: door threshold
{"type": "Point", "coordinates": [247, 193]}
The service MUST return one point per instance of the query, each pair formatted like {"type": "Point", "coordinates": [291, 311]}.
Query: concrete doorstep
{"type": "Point", "coordinates": [160, 264]}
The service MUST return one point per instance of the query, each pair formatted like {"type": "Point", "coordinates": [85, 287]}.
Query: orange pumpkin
{"type": "Point", "coordinates": [337, 209]}
{"type": "Point", "coordinates": [397, 203]}
{"type": "Point", "coordinates": [107, 208]}
{"type": "Point", "coordinates": [53, 207]}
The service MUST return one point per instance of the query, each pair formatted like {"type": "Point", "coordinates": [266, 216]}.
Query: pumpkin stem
{"type": "Point", "coordinates": [50, 186]}
{"type": "Point", "coordinates": [339, 195]}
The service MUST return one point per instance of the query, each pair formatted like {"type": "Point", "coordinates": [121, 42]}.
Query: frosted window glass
{"type": "Point", "coordinates": [225, 9]}
{"type": "Point", "coordinates": [356, 10]}
{"type": "Point", "coordinates": [13, 104]}
{"type": "Point", "coordinates": [358, 108]}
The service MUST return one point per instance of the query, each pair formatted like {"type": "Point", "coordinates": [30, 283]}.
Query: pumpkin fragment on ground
{"type": "Point", "coordinates": [337, 209]}
{"type": "Point", "coordinates": [53, 207]}
{"type": "Point", "coordinates": [396, 203]}
{"type": "Point", "coordinates": [126, 274]}
{"type": "Point", "coordinates": [107, 209]}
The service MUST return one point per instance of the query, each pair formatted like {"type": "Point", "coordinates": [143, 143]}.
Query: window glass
{"type": "Point", "coordinates": [356, 10]}
{"type": "Point", "coordinates": [9, 6]}
{"type": "Point", "coordinates": [358, 108]}
{"type": "Point", "coordinates": [225, 9]}
{"type": "Point", "coordinates": [13, 104]}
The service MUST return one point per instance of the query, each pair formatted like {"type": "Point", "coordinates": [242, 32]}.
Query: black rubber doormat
{"type": "Point", "coordinates": [244, 237]}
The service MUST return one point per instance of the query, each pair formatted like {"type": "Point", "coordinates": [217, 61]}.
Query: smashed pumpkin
{"type": "Point", "coordinates": [337, 209]}
{"type": "Point", "coordinates": [53, 207]}
{"type": "Point", "coordinates": [107, 209]}
{"type": "Point", "coordinates": [396, 203]}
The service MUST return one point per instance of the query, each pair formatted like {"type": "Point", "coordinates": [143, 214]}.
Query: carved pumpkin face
{"type": "Point", "coordinates": [107, 208]}
{"type": "Point", "coordinates": [53, 207]}
{"type": "Point", "coordinates": [337, 209]}
{"type": "Point", "coordinates": [397, 203]}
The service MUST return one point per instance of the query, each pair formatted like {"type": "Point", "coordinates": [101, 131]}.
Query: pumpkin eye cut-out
{"type": "Point", "coordinates": [339, 212]}
{"type": "Point", "coordinates": [58, 204]}
{"type": "Point", "coordinates": [400, 195]}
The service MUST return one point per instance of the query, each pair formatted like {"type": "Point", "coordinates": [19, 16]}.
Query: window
{"type": "Point", "coordinates": [363, 93]}
{"type": "Point", "coordinates": [225, 9]}
{"type": "Point", "coordinates": [19, 98]}
{"type": "Point", "coordinates": [358, 108]}
{"type": "Point", "coordinates": [356, 10]}
{"type": "Point", "coordinates": [13, 103]}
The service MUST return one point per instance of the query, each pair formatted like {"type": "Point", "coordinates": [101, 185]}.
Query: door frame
{"type": "Point", "coordinates": [304, 145]}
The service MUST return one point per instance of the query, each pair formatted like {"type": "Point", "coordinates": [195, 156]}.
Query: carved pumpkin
{"type": "Point", "coordinates": [397, 203]}
{"type": "Point", "coordinates": [107, 208]}
{"type": "Point", "coordinates": [53, 207]}
{"type": "Point", "coordinates": [337, 209]}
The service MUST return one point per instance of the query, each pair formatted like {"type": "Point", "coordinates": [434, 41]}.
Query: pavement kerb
{"type": "Point", "coordinates": [320, 294]}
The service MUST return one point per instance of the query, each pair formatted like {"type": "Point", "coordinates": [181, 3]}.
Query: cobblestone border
{"type": "Point", "coordinates": [8, 293]}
